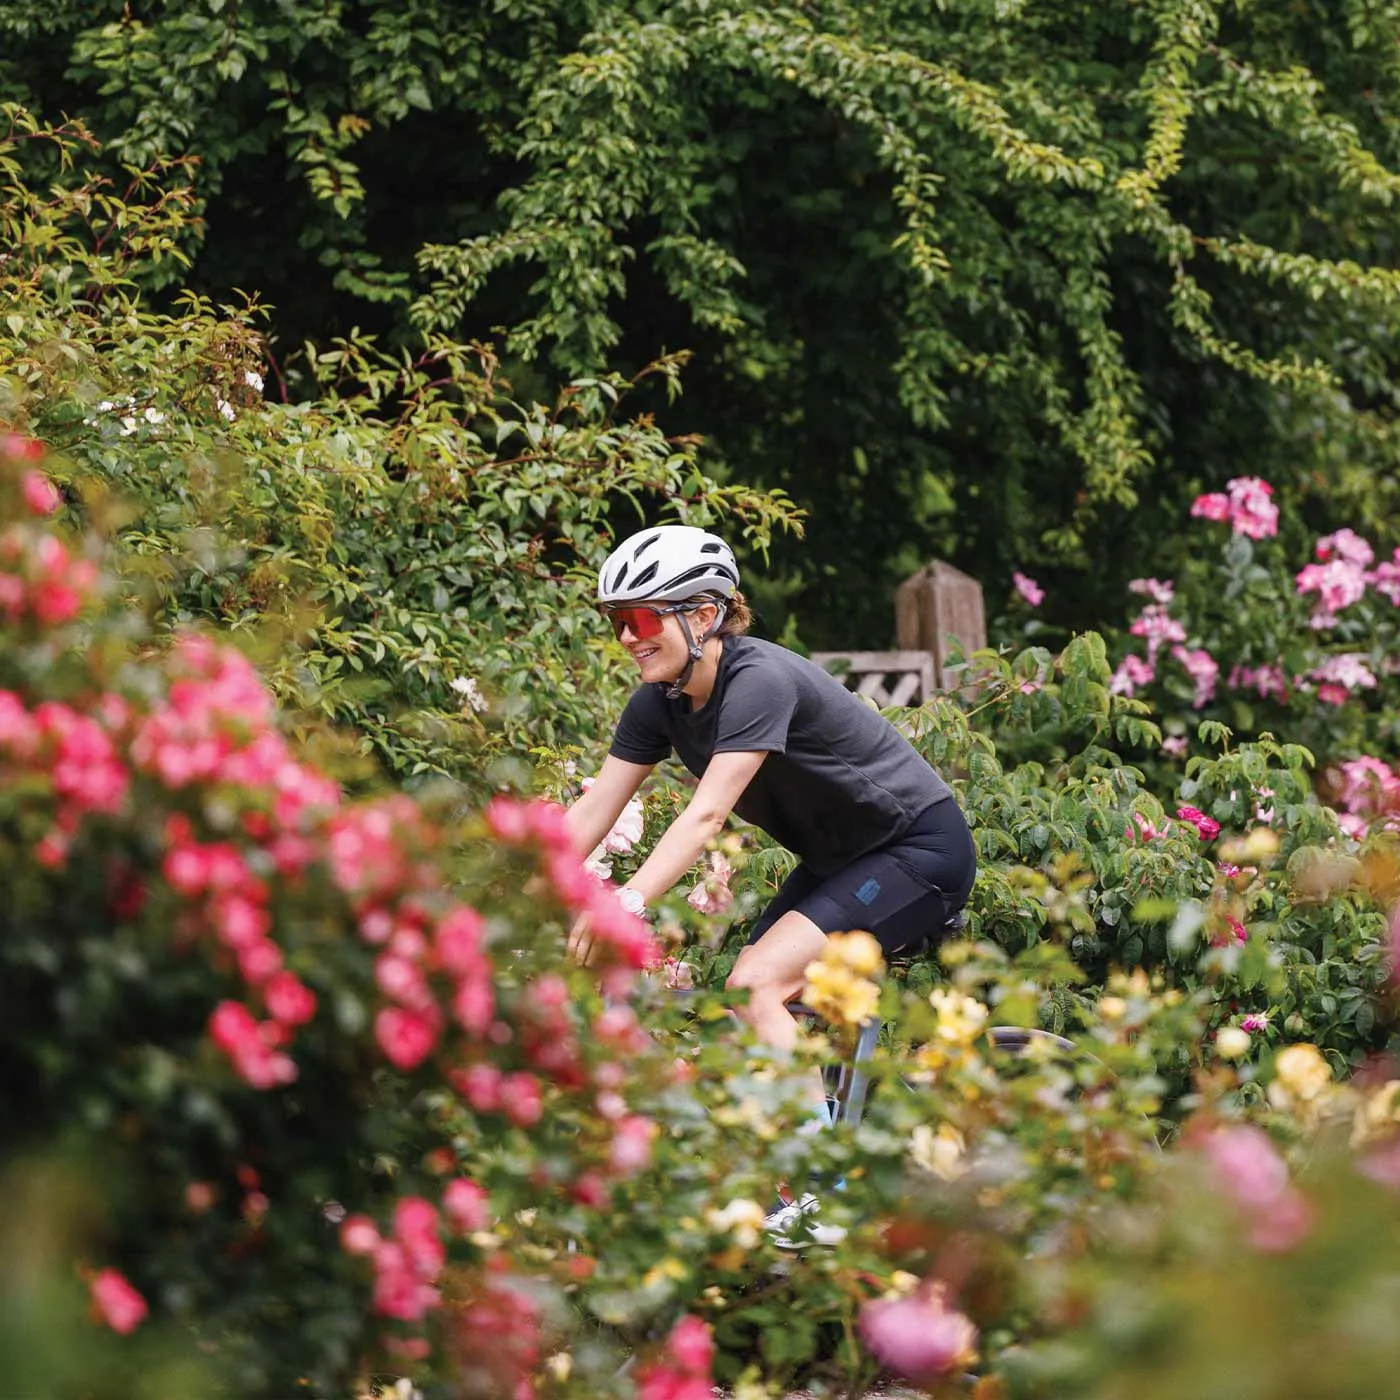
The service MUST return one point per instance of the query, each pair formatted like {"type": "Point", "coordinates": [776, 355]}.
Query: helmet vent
{"type": "Point", "coordinates": [711, 549]}
{"type": "Point", "coordinates": [645, 545]}
{"type": "Point", "coordinates": [646, 575]}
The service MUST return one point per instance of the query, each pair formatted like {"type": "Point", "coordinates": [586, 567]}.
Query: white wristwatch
{"type": "Point", "coordinates": [631, 900]}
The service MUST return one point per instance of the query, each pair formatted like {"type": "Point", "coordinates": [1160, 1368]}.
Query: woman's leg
{"type": "Point", "coordinates": [773, 971]}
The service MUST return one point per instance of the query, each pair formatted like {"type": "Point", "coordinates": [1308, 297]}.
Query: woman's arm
{"type": "Point", "coordinates": [591, 818]}
{"type": "Point", "coordinates": [726, 777]}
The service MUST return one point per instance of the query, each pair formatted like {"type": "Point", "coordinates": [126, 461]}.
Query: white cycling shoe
{"type": "Point", "coordinates": [794, 1226]}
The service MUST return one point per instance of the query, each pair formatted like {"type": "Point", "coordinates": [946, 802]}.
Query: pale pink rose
{"type": "Point", "coordinates": [1214, 506]}
{"type": "Point", "coordinates": [465, 1205]}
{"type": "Point", "coordinates": [1175, 746]}
{"type": "Point", "coordinates": [1158, 628]}
{"type": "Point", "coordinates": [1254, 1174]}
{"type": "Point", "coordinates": [1158, 590]}
{"type": "Point", "coordinates": [40, 494]}
{"type": "Point", "coordinates": [1346, 545]}
{"type": "Point", "coordinates": [1028, 588]}
{"type": "Point", "coordinates": [713, 895]}
{"type": "Point", "coordinates": [358, 1235]}
{"type": "Point", "coordinates": [1337, 583]}
{"type": "Point", "coordinates": [1346, 671]}
{"type": "Point", "coordinates": [691, 1346]}
{"type": "Point", "coordinates": [631, 1145]}
{"type": "Point", "coordinates": [1385, 578]}
{"type": "Point", "coordinates": [1203, 670]}
{"type": "Point", "coordinates": [919, 1336]}
{"type": "Point", "coordinates": [1252, 511]}
{"type": "Point", "coordinates": [1132, 672]}
{"type": "Point", "coordinates": [117, 1303]}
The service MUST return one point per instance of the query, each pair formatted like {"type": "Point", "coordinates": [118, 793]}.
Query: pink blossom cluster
{"type": "Point", "coordinates": [1206, 827]}
{"type": "Point", "coordinates": [76, 753]}
{"type": "Point", "coordinates": [41, 579]}
{"type": "Point", "coordinates": [216, 725]}
{"type": "Point", "coordinates": [408, 1263]}
{"type": "Point", "coordinates": [918, 1335]}
{"type": "Point", "coordinates": [1132, 672]}
{"type": "Point", "coordinates": [1203, 670]}
{"type": "Point", "coordinates": [1268, 682]}
{"type": "Point", "coordinates": [499, 1338]}
{"type": "Point", "coordinates": [1369, 789]}
{"type": "Point", "coordinates": [712, 894]}
{"type": "Point", "coordinates": [415, 950]}
{"type": "Point", "coordinates": [1248, 1166]}
{"type": "Point", "coordinates": [618, 936]}
{"type": "Point", "coordinates": [683, 1370]}
{"type": "Point", "coordinates": [1159, 628]}
{"type": "Point", "coordinates": [116, 1302]}
{"type": "Point", "coordinates": [1339, 675]}
{"type": "Point", "coordinates": [1030, 591]}
{"type": "Point", "coordinates": [1246, 503]}
{"type": "Point", "coordinates": [1343, 574]}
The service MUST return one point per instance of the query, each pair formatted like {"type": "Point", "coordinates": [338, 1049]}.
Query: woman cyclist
{"type": "Point", "coordinates": [882, 844]}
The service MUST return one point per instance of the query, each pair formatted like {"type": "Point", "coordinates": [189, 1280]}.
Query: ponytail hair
{"type": "Point", "coordinates": [737, 617]}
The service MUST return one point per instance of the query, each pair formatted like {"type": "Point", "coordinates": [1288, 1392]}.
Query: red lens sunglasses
{"type": "Point", "coordinates": [643, 622]}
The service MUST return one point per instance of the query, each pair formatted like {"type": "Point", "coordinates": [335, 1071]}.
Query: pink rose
{"type": "Point", "coordinates": [117, 1303]}
{"type": "Point", "coordinates": [464, 1203]}
{"type": "Point", "coordinates": [406, 1037]}
{"type": "Point", "coordinates": [919, 1336]}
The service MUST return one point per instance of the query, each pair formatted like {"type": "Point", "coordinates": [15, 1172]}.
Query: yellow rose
{"type": "Point", "coordinates": [858, 951]}
{"type": "Point", "coordinates": [1377, 1115]}
{"type": "Point", "coordinates": [1232, 1043]}
{"type": "Point", "coordinates": [961, 1019]}
{"type": "Point", "coordinates": [943, 1152]}
{"type": "Point", "coordinates": [834, 991]}
{"type": "Point", "coordinates": [1301, 1071]}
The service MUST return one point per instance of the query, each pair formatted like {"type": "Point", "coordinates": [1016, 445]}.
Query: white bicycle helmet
{"type": "Point", "coordinates": [667, 563]}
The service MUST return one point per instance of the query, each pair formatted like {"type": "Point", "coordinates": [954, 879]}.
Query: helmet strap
{"type": "Point", "coordinates": [676, 688]}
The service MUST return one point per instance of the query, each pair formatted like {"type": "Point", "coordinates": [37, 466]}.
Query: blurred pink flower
{"type": "Point", "coordinates": [1250, 1169]}
{"type": "Point", "coordinates": [40, 494]}
{"type": "Point", "coordinates": [1341, 674]}
{"type": "Point", "coordinates": [712, 894]}
{"type": "Point", "coordinates": [1252, 511]}
{"type": "Point", "coordinates": [1028, 588]}
{"type": "Point", "coordinates": [1346, 545]}
{"type": "Point", "coordinates": [1158, 627]}
{"type": "Point", "coordinates": [1268, 681]}
{"type": "Point", "coordinates": [1246, 503]}
{"type": "Point", "coordinates": [1132, 672]}
{"type": "Point", "coordinates": [1255, 1022]}
{"type": "Point", "coordinates": [406, 1037]}
{"type": "Point", "coordinates": [1337, 583]}
{"type": "Point", "coordinates": [919, 1336]}
{"type": "Point", "coordinates": [117, 1303]}
{"type": "Point", "coordinates": [1385, 578]}
{"type": "Point", "coordinates": [1203, 670]}
{"type": "Point", "coordinates": [1155, 589]}
{"type": "Point", "coordinates": [1145, 829]}
{"type": "Point", "coordinates": [1206, 827]}
{"type": "Point", "coordinates": [1175, 746]}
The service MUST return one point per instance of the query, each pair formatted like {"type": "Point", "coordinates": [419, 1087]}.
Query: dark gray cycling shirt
{"type": "Point", "coordinates": [840, 779]}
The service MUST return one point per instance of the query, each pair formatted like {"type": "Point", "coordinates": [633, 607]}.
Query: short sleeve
{"type": "Point", "coordinates": [641, 735]}
{"type": "Point", "coordinates": [756, 711]}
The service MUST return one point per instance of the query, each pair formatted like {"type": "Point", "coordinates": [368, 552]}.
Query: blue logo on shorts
{"type": "Point", "coordinates": [869, 892]}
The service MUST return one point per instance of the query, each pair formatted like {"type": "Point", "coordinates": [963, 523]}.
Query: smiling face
{"type": "Point", "coordinates": [663, 655]}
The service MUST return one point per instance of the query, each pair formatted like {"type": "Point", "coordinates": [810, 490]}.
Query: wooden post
{"type": "Point", "coordinates": [934, 605]}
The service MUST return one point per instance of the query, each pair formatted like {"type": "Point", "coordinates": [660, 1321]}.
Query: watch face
{"type": "Point", "coordinates": [631, 901]}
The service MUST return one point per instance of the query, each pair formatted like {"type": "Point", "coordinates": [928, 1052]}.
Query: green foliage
{"type": "Point", "coordinates": [399, 545]}
{"type": "Point", "coordinates": [968, 280]}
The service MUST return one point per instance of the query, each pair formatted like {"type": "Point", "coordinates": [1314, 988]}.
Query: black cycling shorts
{"type": "Point", "coordinates": [902, 893]}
